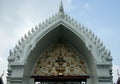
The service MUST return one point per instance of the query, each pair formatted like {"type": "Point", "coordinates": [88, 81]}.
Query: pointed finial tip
{"type": "Point", "coordinates": [61, 9]}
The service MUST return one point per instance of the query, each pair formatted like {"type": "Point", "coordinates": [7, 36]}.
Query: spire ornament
{"type": "Point", "coordinates": [61, 9]}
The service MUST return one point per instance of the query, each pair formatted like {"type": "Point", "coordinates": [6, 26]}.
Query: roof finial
{"type": "Point", "coordinates": [61, 9]}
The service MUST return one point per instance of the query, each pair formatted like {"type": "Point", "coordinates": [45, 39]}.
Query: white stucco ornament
{"type": "Point", "coordinates": [59, 27]}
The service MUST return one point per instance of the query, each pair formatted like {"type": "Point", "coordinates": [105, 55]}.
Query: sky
{"type": "Point", "coordinates": [19, 16]}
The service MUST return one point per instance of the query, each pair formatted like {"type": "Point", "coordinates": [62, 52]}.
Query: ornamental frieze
{"type": "Point", "coordinates": [60, 59]}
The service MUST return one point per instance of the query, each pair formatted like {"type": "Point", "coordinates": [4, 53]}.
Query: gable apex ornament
{"type": "Point", "coordinates": [61, 9]}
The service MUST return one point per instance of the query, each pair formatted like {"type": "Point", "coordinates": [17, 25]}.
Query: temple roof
{"type": "Point", "coordinates": [61, 18]}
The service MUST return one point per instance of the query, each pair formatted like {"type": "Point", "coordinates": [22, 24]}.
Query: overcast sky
{"type": "Point", "coordinates": [19, 16]}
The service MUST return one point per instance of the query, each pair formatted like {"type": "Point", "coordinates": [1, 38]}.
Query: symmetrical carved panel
{"type": "Point", "coordinates": [60, 59]}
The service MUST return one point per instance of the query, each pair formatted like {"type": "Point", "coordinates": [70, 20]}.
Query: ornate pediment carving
{"type": "Point", "coordinates": [60, 59]}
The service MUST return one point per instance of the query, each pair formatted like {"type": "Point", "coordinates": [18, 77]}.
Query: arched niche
{"type": "Point", "coordinates": [60, 59]}
{"type": "Point", "coordinates": [65, 33]}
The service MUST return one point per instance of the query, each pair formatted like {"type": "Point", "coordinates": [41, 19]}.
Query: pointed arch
{"type": "Point", "coordinates": [59, 27]}
{"type": "Point", "coordinates": [52, 35]}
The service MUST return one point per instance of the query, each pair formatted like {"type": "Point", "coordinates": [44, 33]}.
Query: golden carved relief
{"type": "Point", "coordinates": [60, 59]}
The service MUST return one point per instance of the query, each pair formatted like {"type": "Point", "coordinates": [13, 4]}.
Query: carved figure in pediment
{"type": "Point", "coordinates": [60, 59]}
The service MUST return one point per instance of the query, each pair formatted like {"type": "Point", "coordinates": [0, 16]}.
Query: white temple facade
{"type": "Point", "coordinates": [60, 50]}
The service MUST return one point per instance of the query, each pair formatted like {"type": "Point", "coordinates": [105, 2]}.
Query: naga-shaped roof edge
{"type": "Point", "coordinates": [17, 51]}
